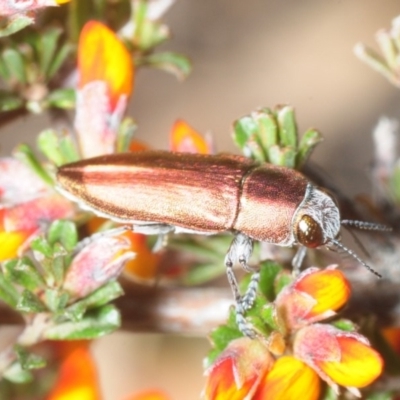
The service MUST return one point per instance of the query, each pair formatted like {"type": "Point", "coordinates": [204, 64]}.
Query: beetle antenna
{"type": "Point", "coordinates": [367, 226]}
{"type": "Point", "coordinates": [355, 256]}
{"type": "Point", "coordinates": [358, 241]}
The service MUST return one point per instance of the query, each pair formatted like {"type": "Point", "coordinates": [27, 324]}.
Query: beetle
{"type": "Point", "coordinates": [157, 192]}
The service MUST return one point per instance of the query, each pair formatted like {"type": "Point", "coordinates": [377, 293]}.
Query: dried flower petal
{"type": "Point", "coordinates": [99, 262]}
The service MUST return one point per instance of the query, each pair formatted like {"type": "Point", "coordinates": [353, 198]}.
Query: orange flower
{"type": "Point", "coordinates": [289, 379]}
{"type": "Point", "coordinates": [339, 357]}
{"type": "Point", "coordinates": [105, 84]}
{"type": "Point", "coordinates": [144, 266]}
{"type": "Point", "coordinates": [314, 295]}
{"type": "Point", "coordinates": [77, 377]}
{"type": "Point", "coordinates": [185, 139]}
{"type": "Point", "coordinates": [26, 205]}
{"type": "Point", "coordinates": [103, 57]}
{"type": "Point", "coordinates": [148, 395]}
{"type": "Point", "coordinates": [238, 370]}
{"type": "Point", "coordinates": [392, 336]}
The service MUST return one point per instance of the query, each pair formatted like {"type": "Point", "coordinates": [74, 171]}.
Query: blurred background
{"type": "Point", "coordinates": [247, 55]}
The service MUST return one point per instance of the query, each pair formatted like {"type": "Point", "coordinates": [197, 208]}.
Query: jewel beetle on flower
{"type": "Point", "coordinates": [157, 192]}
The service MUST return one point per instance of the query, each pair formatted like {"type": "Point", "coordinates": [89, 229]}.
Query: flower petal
{"type": "Point", "coordinates": [314, 295]}
{"type": "Point", "coordinates": [289, 379]}
{"type": "Point", "coordinates": [99, 262]}
{"type": "Point", "coordinates": [148, 395]}
{"type": "Point", "coordinates": [77, 377]}
{"type": "Point", "coordinates": [103, 57]}
{"type": "Point", "coordinates": [10, 243]}
{"type": "Point", "coordinates": [329, 287]}
{"type": "Point", "coordinates": [339, 357]}
{"type": "Point", "coordinates": [238, 369]}
{"type": "Point", "coordinates": [185, 139]}
{"type": "Point", "coordinates": [144, 266]}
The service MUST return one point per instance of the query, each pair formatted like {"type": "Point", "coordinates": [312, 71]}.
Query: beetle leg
{"type": "Point", "coordinates": [298, 259]}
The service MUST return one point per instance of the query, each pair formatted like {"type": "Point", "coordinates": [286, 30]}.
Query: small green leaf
{"type": "Point", "coordinates": [16, 24]}
{"type": "Point", "coordinates": [202, 273]}
{"type": "Point", "coordinates": [41, 246]}
{"type": "Point", "coordinates": [96, 324]}
{"type": "Point", "coordinates": [25, 154]}
{"type": "Point", "coordinates": [267, 128]}
{"type": "Point", "coordinates": [10, 101]}
{"type": "Point", "coordinates": [64, 232]}
{"type": "Point", "coordinates": [268, 272]}
{"type": "Point", "coordinates": [29, 361]}
{"type": "Point", "coordinates": [48, 46]}
{"type": "Point", "coordinates": [8, 293]}
{"type": "Point", "coordinates": [285, 157]}
{"type": "Point", "coordinates": [30, 303]}
{"type": "Point", "coordinates": [243, 129]}
{"type": "Point", "coordinates": [59, 59]}
{"type": "Point", "coordinates": [307, 144]}
{"type": "Point", "coordinates": [16, 374]}
{"type": "Point", "coordinates": [23, 272]}
{"type": "Point", "coordinates": [345, 325]}
{"type": "Point", "coordinates": [48, 144]}
{"type": "Point", "coordinates": [174, 63]}
{"type": "Point", "coordinates": [283, 279]}
{"type": "Point", "coordinates": [125, 134]}
{"type": "Point", "coordinates": [268, 316]}
{"type": "Point", "coordinates": [69, 149]}
{"type": "Point", "coordinates": [62, 98]}
{"type": "Point", "coordinates": [287, 126]}
{"type": "Point", "coordinates": [223, 335]}
{"type": "Point", "coordinates": [103, 295]}
{"type": "Point", "coordinates": [15, 64]}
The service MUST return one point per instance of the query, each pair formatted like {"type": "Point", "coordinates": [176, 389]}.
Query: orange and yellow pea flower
{"type": "Point", "coordinates": [103, 57]}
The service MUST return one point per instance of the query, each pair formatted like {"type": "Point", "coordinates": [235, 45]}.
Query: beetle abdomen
{"type": "Point", "coordinates": [191, 191]}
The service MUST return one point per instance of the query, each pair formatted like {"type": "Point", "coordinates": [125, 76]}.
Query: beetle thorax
{"type": "Point", "coordinates": [322, 209]}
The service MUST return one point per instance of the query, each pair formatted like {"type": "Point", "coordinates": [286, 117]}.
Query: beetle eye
{"type": "Point", "coordinates": [309, 233]}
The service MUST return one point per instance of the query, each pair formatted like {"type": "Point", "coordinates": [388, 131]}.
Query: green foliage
{"type": "Point", "coordinates": [271, 136]}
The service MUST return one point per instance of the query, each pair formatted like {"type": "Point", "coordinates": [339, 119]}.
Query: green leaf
{"type": "Point", "coordinates": [10, 101]}
{"type": "Point", "coordinates": [268, 272]}
{"type": "Point", "coordinates": [267, 128]}
{"type": "Point", "coordinates": [243, 129]}
{"type": "Point", "coordinates": [69, 149]}
{"type": "Point", "coordinates": [59, 59]}
{"type": "Point", "coordinates": [223, 335]}
{"type": "Point", "coordinates": [345, 325]}
{"type": "Point", "coordinates": [23, 272]}
{"type": "Point", "coordinates": [268, 316]}
{"type": "Point", "coordinates": [105, 294]}
{"type": "Point", "coordinates": [15, 24]}
{"type": "Point", "coordinates": [30, 303]}
{"type": "Point", "coordinates": [48, 144]}
{"type": "Point", "coordinates": [29, 361]}
{"type": "Point", "coordinates": [64, 232]}
{"type": "Point", "coordinates": [8, 293]}
{"type": "Point", "coordinates": [41, 246]}
{"type": "Point", "coordinates": [283, 156]}
{"type": "Point", "coordinates": [64, 98]}
{"type": "Point", "coordinates": [287, 126]}
{"type": "Point", "coordinates": [307, 144]}
{"type": "Point", "coordinates": [94, 325]}
{"type": "Point", "coordinates": [48, 46]}
{"type": "Point", "coordinates": [202, 273]}
{"type": "Point", "coordinates": [25, 154]}
{"type": "Point", "coordinates": [16, 374]}
{"type": "Point", "coordinates": [283, 279]}
{"type": "Point", "coordinates": [174, 63]}
{"type": "Point", "coordinates": [15, 64]}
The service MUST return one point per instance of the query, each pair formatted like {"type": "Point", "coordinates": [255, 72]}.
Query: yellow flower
{"type": "Point", "coordinates": [339, 357]}
{"type": "Point", "coordinates": [314, 295]}
{"type": "Point", "coordinates": [103, 57]}
{"type": "Point", "coordinates": [289, 379]}
{"type": "Point", "coordinates": [237, 371]}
